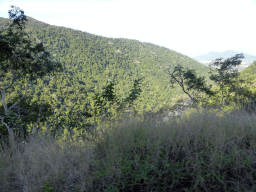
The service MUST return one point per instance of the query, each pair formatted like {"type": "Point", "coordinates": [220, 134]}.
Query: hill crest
{"type": "Point", "coordinates": [92, 61]}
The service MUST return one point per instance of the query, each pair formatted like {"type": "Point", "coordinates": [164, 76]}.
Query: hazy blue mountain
{"type": "Point", "coordinates": [207, 58]}
{"type": "Point", "coordinates": [225, 54]}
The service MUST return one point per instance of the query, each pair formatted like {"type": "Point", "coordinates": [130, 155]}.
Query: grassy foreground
{"type": "Point", "coordinates": [198, 152]}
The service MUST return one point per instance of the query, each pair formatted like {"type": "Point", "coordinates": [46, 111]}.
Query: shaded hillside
{"type": "Point", "coordinates": [92, 61]}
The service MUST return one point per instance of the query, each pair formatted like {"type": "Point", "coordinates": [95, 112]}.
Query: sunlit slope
{"type": "Point", "coordinates": [249, 74]}
{"type": "Point", "coordinates": [91, 61]}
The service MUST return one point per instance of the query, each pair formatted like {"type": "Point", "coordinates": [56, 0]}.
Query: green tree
{"type": "Point", "coordinates": [134, 92]}
{"type": "Point", "coordinates": [21, 63]}
{"type": "Point", "coordinates": [191, 85]}
{"type": "Point", "coordinates": [226, 75]}
{"type": "Point", "coordinates": [108, 96]}
{"type": "Point", "coordinates": [230, 88]}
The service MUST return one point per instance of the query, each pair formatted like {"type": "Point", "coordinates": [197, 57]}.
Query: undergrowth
{"type": "Point", "coordinates": [201, 151]}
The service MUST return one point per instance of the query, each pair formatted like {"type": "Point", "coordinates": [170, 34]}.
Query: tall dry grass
{"type": "Point", "coordinates": [202, 151]}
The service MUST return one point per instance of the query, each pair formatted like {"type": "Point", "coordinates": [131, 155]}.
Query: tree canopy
{"type": "Point", "coordinates": [21, 62]}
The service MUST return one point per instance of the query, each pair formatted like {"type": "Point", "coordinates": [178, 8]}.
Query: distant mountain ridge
{"type": "Point", "coordinates": [207, 58]}
{"type": "Point", "coordinates": [225, 54]}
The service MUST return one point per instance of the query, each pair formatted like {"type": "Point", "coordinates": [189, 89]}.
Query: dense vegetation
{"type": "Point", "coordinates": [90, 63]}
{"type": "Point", "coordinates": [249, 74]}
{"type": "Point", "coordinates": [94, 96]}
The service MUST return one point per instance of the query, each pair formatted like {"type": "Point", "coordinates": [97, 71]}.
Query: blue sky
{"type": "Point", "coordinates": [191, 27]}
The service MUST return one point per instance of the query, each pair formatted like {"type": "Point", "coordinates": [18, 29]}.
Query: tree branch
{"type": "Point", "coordinates": [8, 128]}
{"type": "Point", "coordinates": [3, 101]}
{"type": "Point", "coordinates": [181, 85]}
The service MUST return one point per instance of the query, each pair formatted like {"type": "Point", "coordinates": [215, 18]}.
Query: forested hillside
{"type": "Point", "coordinates": [250, 72]}
{"type": "Point", "coordinates": [80, 112]}
{"type": "Point", "coordinates": [91, 62]}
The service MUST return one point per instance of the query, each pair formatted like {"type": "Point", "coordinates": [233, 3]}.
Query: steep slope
{"type": "Point", "coordinates": [92, 61]}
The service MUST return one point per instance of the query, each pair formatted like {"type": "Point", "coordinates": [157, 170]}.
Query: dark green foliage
{"type": "Point", "coordinates": [5, 50]}
{"type": "Point", "coordinates": [21, 64]}
{"type": "Point", "coordinates": [134, 92]}
{"type": "Point", "coordinates": [228, 84]}
{"type": "Point", "coordinates": [28, 111]}
{"type": "Point", "coordinates": [228, 64]}
{"type": "Point", "coordinates": [225, 70]}
{"type": "Point", "coordinates": [189, 82]}
{"type": "Point", "coordinates": [228, 80]}
{"type": "Point", "coordinates": [48, 188]}
{"type": "Point", "coordinates": [23, 59]}
{"type": "Point", "coordinates": [108, 95]}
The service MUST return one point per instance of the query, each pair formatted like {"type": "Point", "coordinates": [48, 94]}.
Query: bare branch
{"type": "Point", "coordinates": [3, 101]}
{"type": "Point", "coordinates": [181, 84]}
{"type": "Point", "coordinates": [8, 128]}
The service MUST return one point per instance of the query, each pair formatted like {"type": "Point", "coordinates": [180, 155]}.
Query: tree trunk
{"type": "Point", "coordinates": [3, 101]}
